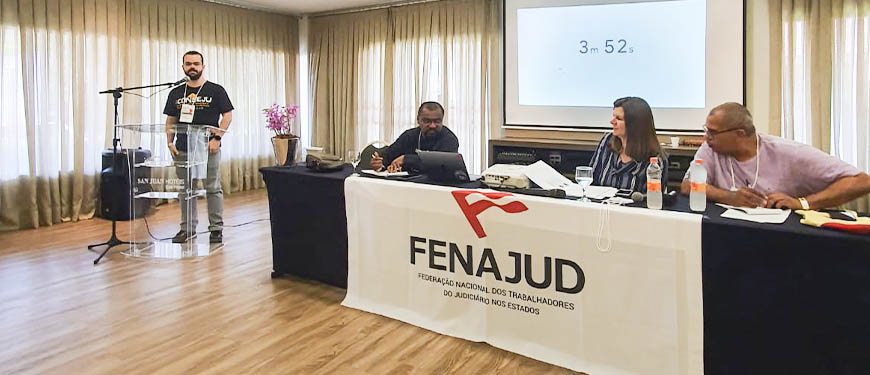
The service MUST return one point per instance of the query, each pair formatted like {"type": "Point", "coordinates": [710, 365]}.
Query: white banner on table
{"type": "Point", "coordinates": [525, 274]}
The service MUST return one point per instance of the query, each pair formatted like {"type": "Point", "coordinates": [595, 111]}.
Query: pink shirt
{"type": "Point", "coordinates": [785, 166]}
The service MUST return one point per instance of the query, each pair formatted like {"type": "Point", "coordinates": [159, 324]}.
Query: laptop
{"type": "Point", "coordinates": [443, 166]}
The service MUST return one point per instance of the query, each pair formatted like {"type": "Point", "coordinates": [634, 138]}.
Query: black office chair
{"type": "Point", "coordinates": [365, 156]}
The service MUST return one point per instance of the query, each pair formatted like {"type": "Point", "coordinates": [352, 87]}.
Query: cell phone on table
{"type": "Point", "coordinates": [625, 193]}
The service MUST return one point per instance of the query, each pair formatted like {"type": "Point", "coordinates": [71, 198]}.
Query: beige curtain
{"type": "Point", "coordinates": [850, 112]}
{"type": "Point", "coordinates": [806, 71]}
{"type": "Point", "coordinates": [348, 67]}
{"type": "Point", "coordinates": [56, 56]}
{"type": "Point", "coordinates": [821, 54]}
{"type": "Point", "coordinates": [371, 70]}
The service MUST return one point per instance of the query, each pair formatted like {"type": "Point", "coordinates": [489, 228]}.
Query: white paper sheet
{"type": "Point", "coordinates": [779, 218]}
{"type": "Point", "coordinates": [384, 173]}
{"type": "Point", "coordinates": [755, 210]}
{"type": "Point", "coordinates": [546, 177]}
{"type": "Point", "coordinates": [600, 192]}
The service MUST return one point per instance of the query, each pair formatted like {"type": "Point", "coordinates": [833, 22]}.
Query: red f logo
{"type": "Point", "coordinates": [472, 210]}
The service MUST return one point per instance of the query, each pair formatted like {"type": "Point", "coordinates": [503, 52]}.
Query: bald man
{"type": "Point", "coordinates": [429, 135]}
{"type": "Point", "coordinates": [745, 168]}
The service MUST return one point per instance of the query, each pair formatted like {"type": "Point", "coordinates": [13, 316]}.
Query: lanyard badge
{"type": "Point", "coordinates": [187, 113]}
{"type": "Point", "coordinates": [188, 109]}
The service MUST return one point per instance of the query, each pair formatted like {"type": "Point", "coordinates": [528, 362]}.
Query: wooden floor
{"type": "Point", "coordinates": [60, 314]}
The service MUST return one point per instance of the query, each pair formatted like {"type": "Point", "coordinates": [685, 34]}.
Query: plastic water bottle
{"type": "Point", "coordinates": [654, 184]}
{"type": "Point", "coordinates": [698, 191]}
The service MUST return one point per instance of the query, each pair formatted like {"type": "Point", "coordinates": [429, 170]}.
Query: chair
{"type": "Point", "coordinates": [365, 156]}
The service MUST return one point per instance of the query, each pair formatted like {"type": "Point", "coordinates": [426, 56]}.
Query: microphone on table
{"type": "Point", "coordinates": [552, 193]}
{"type": "Point", "coordinates": [668, 198]}
{"type": "Point", "coordinates": [637, 197]}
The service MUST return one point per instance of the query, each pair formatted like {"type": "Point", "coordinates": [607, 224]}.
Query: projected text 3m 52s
{"type": "Point", "coordinates": [610, 46]}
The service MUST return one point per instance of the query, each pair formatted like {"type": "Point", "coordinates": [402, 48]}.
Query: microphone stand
{"type": "Point", "coordinates": [116, 94]}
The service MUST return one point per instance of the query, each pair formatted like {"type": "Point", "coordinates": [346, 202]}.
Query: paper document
{"type": "Point", "coordinates": [546, 177]}
{"type": "Point", "coordinates": [618, 200]}
{"type": "Point", "coordinates": [756, 215]}
{"type": "Point", "coordinates": [767, 219]}
{"type": "Point", "coordinates": [600, 192]}
{"type": "Point", "coordinates": [754, 210]}
{"type": "Point", "coordinates": [383, 173]}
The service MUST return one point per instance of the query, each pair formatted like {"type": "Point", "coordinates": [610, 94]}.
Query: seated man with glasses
{"type": "Point", "coordinates": [748, 169]}
{"type": "Point", "coordinates": [429, 135]}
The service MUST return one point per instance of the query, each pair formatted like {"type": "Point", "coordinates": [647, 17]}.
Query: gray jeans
{"type": "Point", "coordinates": [213, 192]}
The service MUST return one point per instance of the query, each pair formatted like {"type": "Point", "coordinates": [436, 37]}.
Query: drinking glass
{"type": "Point", "coordinates": [583, 176]}
{"type": "Point", "coordinates": [352, 157]}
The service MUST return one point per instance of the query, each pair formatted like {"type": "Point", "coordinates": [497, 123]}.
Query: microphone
{"type": "Point", "coordinates": [180, 81]}
{"type": "Point", "coordinates": [637, 197]}
{"type": "Point", "coordinates": [668, 198]}
{"type": "Point", "coordinates": [552, 193]}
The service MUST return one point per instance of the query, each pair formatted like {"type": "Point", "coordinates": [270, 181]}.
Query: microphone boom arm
{"type": "Point", "coordinates": [122, 89]}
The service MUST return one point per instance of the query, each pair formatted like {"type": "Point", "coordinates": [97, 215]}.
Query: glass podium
{"type": "Point", "coordinates": [162, 177]}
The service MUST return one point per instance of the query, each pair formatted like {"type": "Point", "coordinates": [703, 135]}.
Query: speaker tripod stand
{"type": "Point", "coordinates": [116, 94]}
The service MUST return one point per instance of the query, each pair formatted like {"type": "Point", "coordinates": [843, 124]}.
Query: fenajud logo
{"type": "Point", "coordinates": [517, 267]}
{"type": "Point", "coordinates": [471, 211]}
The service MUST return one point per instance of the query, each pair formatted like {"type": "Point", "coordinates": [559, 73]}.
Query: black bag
{"type": "Point", "coordinates": [324, 163]}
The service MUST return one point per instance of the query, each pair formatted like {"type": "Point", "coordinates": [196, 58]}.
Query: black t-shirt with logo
{"type": "Point", "coordinates": [211, 102]}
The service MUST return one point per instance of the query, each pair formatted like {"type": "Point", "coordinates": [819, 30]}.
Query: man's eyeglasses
{"type": "Point", "coordinates": [427, 121]}
{"type": "Point", "coordinates": [712, 133]}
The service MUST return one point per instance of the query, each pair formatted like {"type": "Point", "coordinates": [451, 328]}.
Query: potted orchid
{"type": "Point", "coordinates": [279, 119]}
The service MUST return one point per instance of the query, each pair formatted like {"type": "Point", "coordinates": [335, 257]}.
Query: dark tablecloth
{"type": "Point", "coordinates": [309, 227]}
{"type": "Point", "coordinates": [309, 223]}
{"type": "Point", "coordinates": [784, 299]}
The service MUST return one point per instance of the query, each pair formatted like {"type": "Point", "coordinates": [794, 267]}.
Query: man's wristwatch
{"type": "Point", "coordinates": [215, 136]}
{"type": "Point", "coordinates": [804, 203]}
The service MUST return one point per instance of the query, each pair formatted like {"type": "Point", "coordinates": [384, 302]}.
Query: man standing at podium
{"type": "Point", "coordinates": [201, 103]}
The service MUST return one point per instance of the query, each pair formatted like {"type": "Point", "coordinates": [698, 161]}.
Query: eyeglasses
{"type": "Point", "coordinates": [712, 133]}
{"type": "Point", "coordinates": [427, 121]}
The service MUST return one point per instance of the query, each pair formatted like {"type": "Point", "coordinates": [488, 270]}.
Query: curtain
{"type": "Point", "coordinates": [348, 66]}
{"type": "Point", "coordinates": [806, 71]}
{"type": "Point", "coordinates": [821, 51]}
{"type": "Point", "coordinates": [57, 55]}
{"type": "Point", "coordinates": [850, 112]}
{"type": "Point", "coordinates": [371, 70]}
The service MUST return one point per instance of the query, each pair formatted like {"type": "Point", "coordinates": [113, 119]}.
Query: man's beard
{"type": "Point", "coordinates": [430, 133]}
{"type": "Point", "coordinates": [194, 77]}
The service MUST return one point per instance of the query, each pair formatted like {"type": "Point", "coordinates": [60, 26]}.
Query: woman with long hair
{"type": "Point", "coordinates": [623, 155]}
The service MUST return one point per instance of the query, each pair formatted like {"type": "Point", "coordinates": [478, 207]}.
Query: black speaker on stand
{"type": "Point", "coordinates": [116, 95]}
{"type": "Point", "coordinates": [116, 200]}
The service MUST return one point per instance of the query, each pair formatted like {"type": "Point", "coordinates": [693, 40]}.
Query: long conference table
{"type": "Point", "coordinates": [756, 298]}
